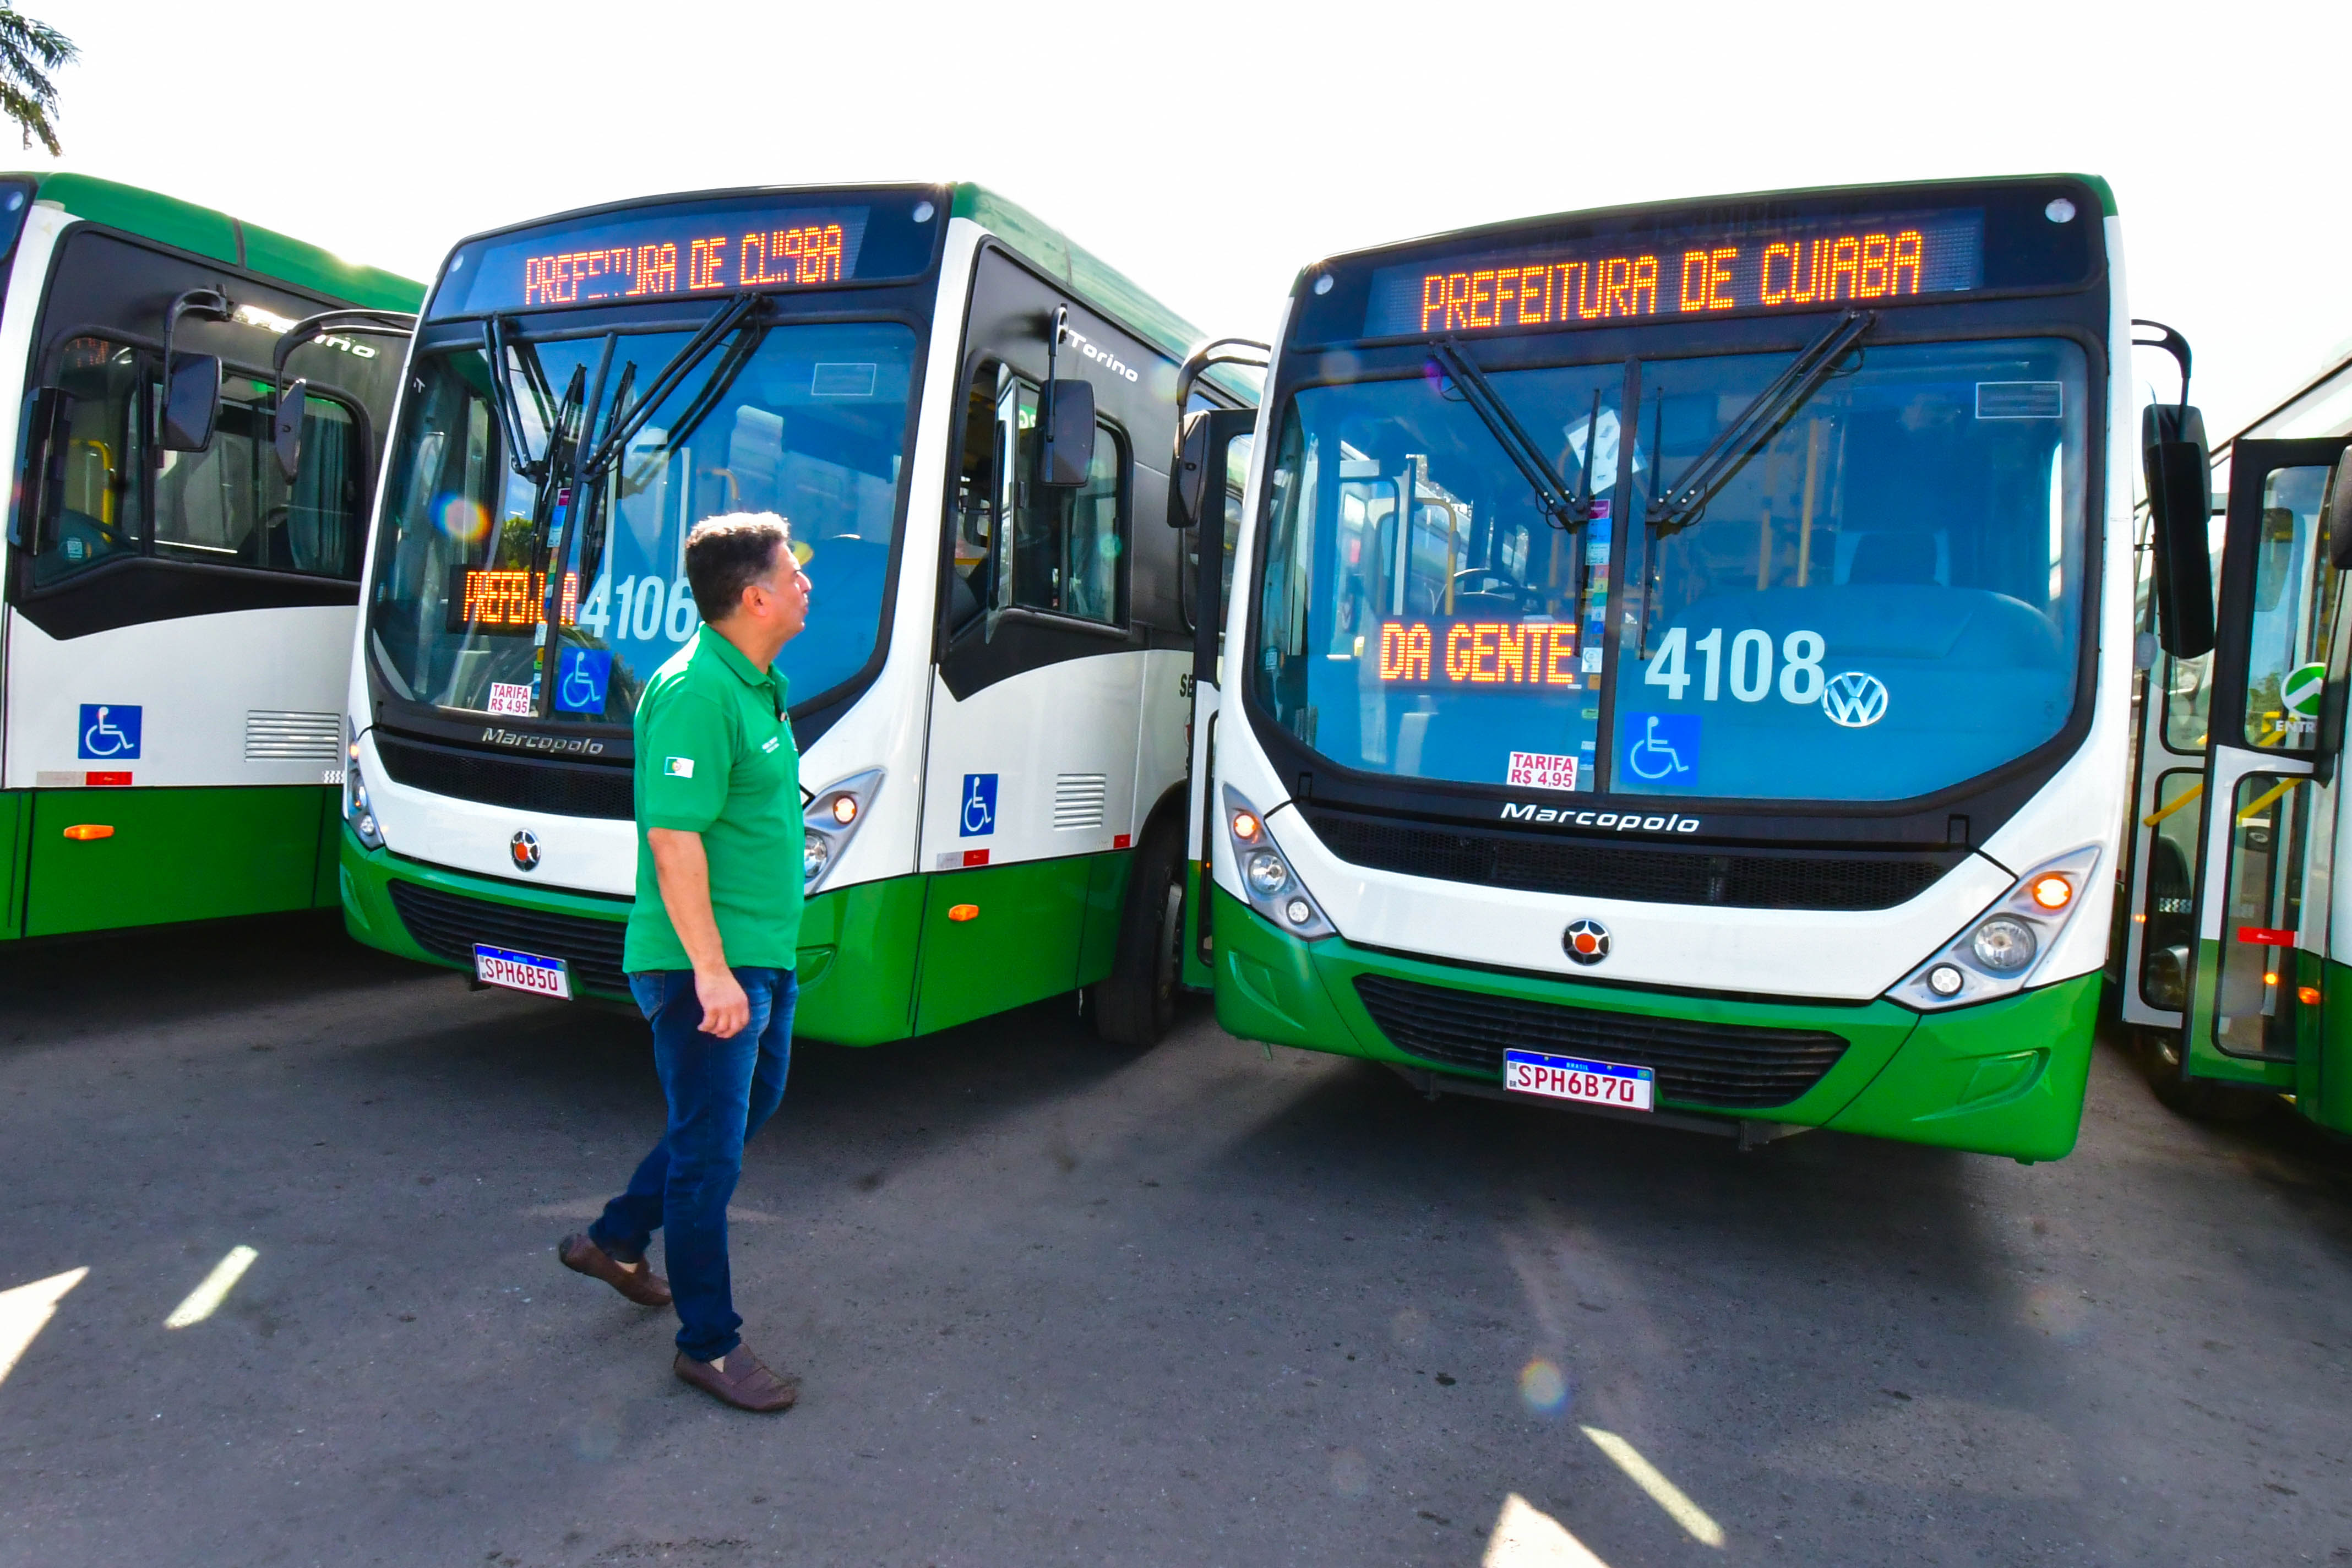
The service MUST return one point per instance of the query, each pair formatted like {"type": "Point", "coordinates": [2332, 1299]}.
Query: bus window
{"type": "Point", "coordinates": [1062, 554]}
{"type": "Point", "coordinates": [93, 512]}
{"type": "Point", "coordinates": [2263, 909]}
{"type": "Point", "coordinates": [230, 503]}
{"type": "Point", "coordinates": [2167, 916]}
{"type": "Point", "coordinates": [2295, 601]}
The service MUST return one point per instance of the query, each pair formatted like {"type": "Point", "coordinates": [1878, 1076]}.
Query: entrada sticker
{"type": "Point", "coordinates": [1543, 770]}
{"type": "Point", "coordinates": [678, 767]}
{"type": "Point", "coordinates": [511, 697]}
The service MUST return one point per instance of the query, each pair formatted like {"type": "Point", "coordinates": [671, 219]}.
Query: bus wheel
{"type": "Point", "coordinates": [2199, 1100]}
{"type": "Point", "coordinates": [1136, 1005]}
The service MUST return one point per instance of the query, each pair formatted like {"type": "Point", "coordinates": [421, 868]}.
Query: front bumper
{"type": "Point", "coordinates": [2003, 1078]}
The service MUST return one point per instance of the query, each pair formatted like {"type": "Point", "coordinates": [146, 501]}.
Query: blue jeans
{"type": "Point", "coordinates": [720, 1092]}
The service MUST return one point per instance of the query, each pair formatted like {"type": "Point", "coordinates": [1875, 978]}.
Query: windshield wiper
{"type": "Point", "coordinates": [1677, 506]}
{"type": "Point", "coordinates": [623, 426]}
{"type": "Point", "coordinates": [1561, 507]}
{"type": "Point", "coordinates": [502, 400]}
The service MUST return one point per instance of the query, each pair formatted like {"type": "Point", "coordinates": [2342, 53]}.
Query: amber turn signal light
{"type": "Point", "coordinates": [1245, 827]}
{"type": "Point", "coordinates": [83, 832]}
{"type": "Point", "coordinates": [2052, 891]}
{"type": "Point", "coordinates": [963, 911]}
{"type": "Point", "coordinates": [2308, 995]}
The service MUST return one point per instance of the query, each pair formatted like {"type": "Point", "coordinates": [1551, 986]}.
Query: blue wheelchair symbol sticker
{"type": "Point", "coordinates": [109, 733]}
{"type": "Point", "coordinates": [1662, 748]}
{"type": "Point", "coordinates": [978, 806]}
{"type": "Point", "coordinates": [582, 675]}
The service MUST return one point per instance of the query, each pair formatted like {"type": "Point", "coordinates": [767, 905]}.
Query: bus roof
{"type": "Point", "coordinates": [1056, 253]}
{"type": "Point", "coordinates": [204, 232]}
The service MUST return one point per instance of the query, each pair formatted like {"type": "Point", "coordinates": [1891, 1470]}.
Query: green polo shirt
{"type": "Point", "coordinates": [714, 757]}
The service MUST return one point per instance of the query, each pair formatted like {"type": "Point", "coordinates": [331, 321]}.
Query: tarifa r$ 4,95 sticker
{"type": "Point", "coordinates": [1543, 770]}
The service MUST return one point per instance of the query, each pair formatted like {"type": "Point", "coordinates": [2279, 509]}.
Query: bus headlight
{"type": "Point", "coordinates": [2004, 945]}
{"type": "Point", "coordinates": [357, 809]}
{"type": "Point", "coordinates": [1267, 880]}
{"type": "Point", "coordinates": [830, 818]}
{"type": "Point", "coordinates": [2001, 951]}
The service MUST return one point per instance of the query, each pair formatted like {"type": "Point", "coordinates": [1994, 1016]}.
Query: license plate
{"type": "Point", "coordinates": [1573, 1078]}
{"type": "Point", "coordinates": [522, 971]}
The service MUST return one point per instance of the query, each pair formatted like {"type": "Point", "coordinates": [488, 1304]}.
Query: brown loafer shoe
{"type": "Point", "coordinates": [640, 1284]}
{"type": "Point", "coordinates": [746, 1383]}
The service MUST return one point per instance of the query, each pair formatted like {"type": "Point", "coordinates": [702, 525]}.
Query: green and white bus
{"type": "Point", "coordinates": [1677, 663]}
{"type": "Point", "coordinates": [960, 413]}
{"type": "Point", "coordinates": [2233, 968]}
{"type": "Point", "coordinates": [179, 605]}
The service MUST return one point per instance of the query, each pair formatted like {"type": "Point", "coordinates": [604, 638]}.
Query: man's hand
{"type": "Point", "coordinates": [725, 1009]}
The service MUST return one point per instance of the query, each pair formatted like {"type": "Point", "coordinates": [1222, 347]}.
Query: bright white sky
{"type": "Point", "coordinates": [1211, 149]}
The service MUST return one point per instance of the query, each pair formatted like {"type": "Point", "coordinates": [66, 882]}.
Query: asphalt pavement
{"type": "Point", "coordinates": [1054, 1302]}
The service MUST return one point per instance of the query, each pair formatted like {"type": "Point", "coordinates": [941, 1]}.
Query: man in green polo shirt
{"type": "Point", "coordinates": [711, 940]}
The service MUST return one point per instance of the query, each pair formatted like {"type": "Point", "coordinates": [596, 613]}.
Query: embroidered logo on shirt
{"type": "Point", "coordinates": [678, 767]}
{"type": "Point", "coordinates": [774, 742]}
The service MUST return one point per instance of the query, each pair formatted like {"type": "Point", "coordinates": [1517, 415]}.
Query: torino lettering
{"type": "Point", "coordinates": [1478, 653]}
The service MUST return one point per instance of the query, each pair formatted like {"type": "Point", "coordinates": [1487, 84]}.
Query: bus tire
{"type": "Point", "coordinates": [1136, 1005]}
{"type": "Point", "coordinates": [2199, 1100]}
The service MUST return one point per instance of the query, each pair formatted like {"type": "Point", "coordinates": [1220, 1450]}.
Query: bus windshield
{"type": "Point", "coordinates": [807, 421]}
{"type": "Point", "coordinates": [1883, 600]}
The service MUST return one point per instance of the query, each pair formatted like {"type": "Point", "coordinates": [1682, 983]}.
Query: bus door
{"type": "Point", "coordinates": [1036, 709]}
{"type": "Point", "coordinates": [2261, 915]}
{"type": "Point", "coordinates": [1213, 472]}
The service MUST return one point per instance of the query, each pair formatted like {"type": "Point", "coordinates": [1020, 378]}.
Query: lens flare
{"type": "Point", "coordinates": [1543, 1388]}
{"type": "Point", "coordinates": [462, 519]}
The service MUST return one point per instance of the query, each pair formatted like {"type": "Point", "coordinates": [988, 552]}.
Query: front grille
{"type": "Point", "coordinates": [1650, 873]}
{"type": "Point", "coordinates": [447, 925]}
{"type": "Point", "coordinates": [1728, 1066]}
{"type": "Point", "coordinates": [561, 789]}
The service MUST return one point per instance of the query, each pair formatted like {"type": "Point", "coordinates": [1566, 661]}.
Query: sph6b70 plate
{"type": "Point", "coordinates": [1573, 1078]}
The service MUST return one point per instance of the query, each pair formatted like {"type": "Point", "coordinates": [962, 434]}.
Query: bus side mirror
{"type": "Point", "coordinates": [2179, 476]}
{"type": "Point", "coordinates": [1067, 452]}
{"type": "Point", "coordinates": [192, 392]}
{"type": "Point", "coordinates": [285, 427]}
{"type": "Point", "coordinates": [1192, 470]}
{"type": "Point", "coordinates": [2339, 514]}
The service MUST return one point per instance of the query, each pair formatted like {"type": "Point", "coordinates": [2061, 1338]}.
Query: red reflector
{"type": "Point", "coordinates": [963, 911]}
{"type": "Point", "coordinates": [1123, 841]}
{"type": "Point", "coordinates": [2266, 937]}
{"type": "Point", "coordinates": [976, 857]}
{"type": "Point", "coordinates": [82, 832]}
{"type": "Point", "coordinates": [95, 781]}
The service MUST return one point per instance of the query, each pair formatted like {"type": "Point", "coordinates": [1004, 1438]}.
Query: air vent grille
{"type": "Point", "coordinates": [561, 789]}
{"type": "Point", "coordinates": [447, 925]}
{"type": "Point", "coordinates": [1078, 800]}
{"type": "Point", "coordinates": [274, 735]}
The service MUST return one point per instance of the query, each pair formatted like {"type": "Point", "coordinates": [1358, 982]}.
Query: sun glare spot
{"type": "Point", "coordinates": [1662, 1492]}
{"type": "Point", "coordinates": [26, 1310]}
{"type": "Point", "coordinates": [1543, 1387]}
{"type": "Point", "coordinates": [205, 1299]}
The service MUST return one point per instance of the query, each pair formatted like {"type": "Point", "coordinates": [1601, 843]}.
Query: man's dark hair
{"type": "Point", "coordinates": [725, 555]}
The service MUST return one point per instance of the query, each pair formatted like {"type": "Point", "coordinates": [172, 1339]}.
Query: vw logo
{"type": "Point", "coordinates": [1585, 941]}
{"type": "Point", "coordinates": [1854, 699]}
{"type": "Point", "coordinates": [524, 847]}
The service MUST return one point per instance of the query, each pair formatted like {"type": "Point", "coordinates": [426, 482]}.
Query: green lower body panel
{"type": "Point", "coordinates": [2323, 1064]}
{"type": "Point", "coordinates": [878, 962]}
{"type": "Point", "coordinates": [2004, 1077]}
{"type": "Point", "coordinates": [153, 857]}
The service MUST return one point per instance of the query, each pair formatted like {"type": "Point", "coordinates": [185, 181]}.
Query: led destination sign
{"type": "Point", "coordinates": [1438, 653]}
{"type": "Point", "coordinates": [677, 251]}
{"type": "Point", "coordinates": [1685, 275]}
{"type": "Point", "coordinates": [506, 601]}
